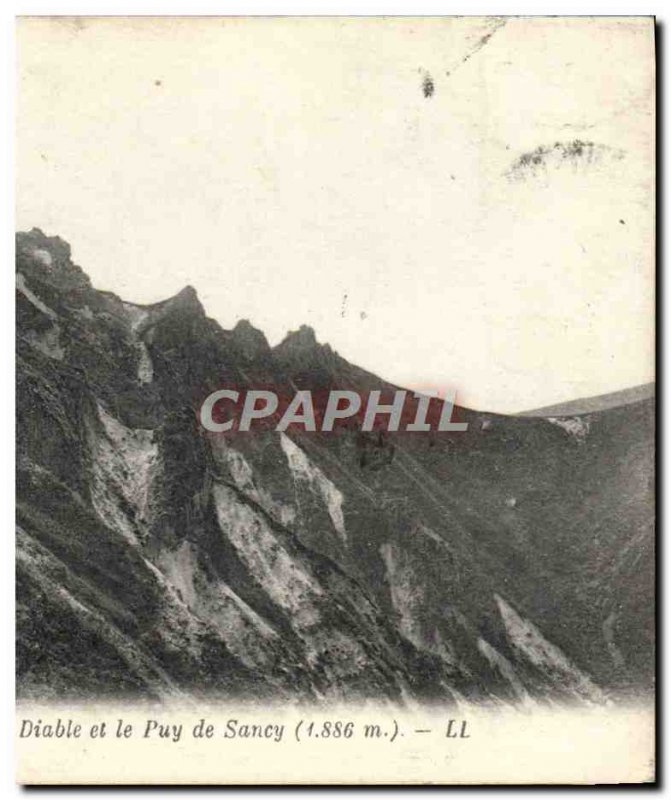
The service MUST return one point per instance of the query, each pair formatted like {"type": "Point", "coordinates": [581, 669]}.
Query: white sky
{"type": "Point", "coordinates": [283, 164]}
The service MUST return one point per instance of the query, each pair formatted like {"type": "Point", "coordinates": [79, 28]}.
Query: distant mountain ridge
{"type": "Point", "coordinates": [601, 402]}
{"type": "Point", "coordinates": [512, 563]}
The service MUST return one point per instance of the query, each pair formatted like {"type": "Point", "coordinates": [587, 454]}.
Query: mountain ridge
{"type": "Point", "coordinates": [511, 563]}
{"type": "Point", "coordinates": [600, 402]}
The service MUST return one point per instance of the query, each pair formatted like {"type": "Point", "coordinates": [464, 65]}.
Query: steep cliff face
{"type": "Point", "coordinates": [510, 563]}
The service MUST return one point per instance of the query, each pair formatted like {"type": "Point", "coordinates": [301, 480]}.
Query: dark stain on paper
{"type": "Point", "coordinates": [428, 86]}
{"type": "Point", "coordinates": [575, 152]}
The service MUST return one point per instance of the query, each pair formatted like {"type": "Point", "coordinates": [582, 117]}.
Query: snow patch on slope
{"type": "Point", "coordinates": [136, 316]}
{"type": "Point", "coordinates": [608, 628]}
{"type": "Point", "coordinates": [303, 469]}
{"type": "Point", "coordinates": [43, 256]}
{"type": "Point", "coordinates": [48, 343]}
{"type": "Point", "coordinates": [528, 640]}
{"type": "Point", "coordinates": [403, 589]}
{"type": "Point", "coordinates": [283, 577]}
{"type": "Point", "coordinates": [179, 567]}
{"type": "Point", "coordinates": [32, 297]}
{"type": "Point", "coordinates": [145, 369]}
{"type": "Point", "coordinates": [408, 600]}
{"type": "Point", "coordinates": [577, 427]}
{"type": "Point", "coordinates": [504, 667]}
{"type": "Point", "coordinates": [125, 461]}
{"type": "Point", "coordinates": [340, 657]}
{"type": "Point", "coordinates": [182, 570]}
{"type": "Point", "coordinates": [244, 632]}
{"type": "Point", "coordinates": [242, 476]}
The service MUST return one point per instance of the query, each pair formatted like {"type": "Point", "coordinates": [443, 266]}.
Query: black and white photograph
{"type": "Point", "coordinates": [335, 400]}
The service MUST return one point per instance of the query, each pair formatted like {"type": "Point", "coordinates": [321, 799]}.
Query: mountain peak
{"type": "Point", "coordinates": [48, 258]}
{"type": "Point", "coordinates": [308, 361]}
{"type": "Point", "coordinates": [187, 294]}
{"type": "Point", "coordinates": [302, 339]}
{"type": "Point", "coordinates": [250, 340]}
{"type": "Point", "coordinates": [185, 300]}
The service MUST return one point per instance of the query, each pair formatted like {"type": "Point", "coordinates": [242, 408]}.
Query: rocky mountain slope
{"type": "Point", "coordinates": [510, 563]}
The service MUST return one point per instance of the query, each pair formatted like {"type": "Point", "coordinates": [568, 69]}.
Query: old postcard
{"type": "Point", "coordinates": [335, 400]}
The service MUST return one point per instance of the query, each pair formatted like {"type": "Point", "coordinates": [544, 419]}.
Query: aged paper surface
{"type": "Point", "coordinates": [335, 409]}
